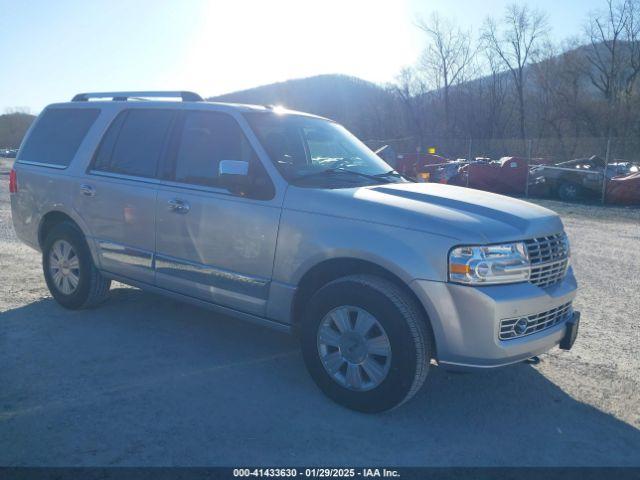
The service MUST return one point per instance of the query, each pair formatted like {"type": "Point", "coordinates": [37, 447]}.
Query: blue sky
{"type": "Point", "coordinates": [52, 50]}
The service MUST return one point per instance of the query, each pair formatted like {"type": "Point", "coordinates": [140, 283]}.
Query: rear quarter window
{"type": "Point", "coordinates": [57, 135]}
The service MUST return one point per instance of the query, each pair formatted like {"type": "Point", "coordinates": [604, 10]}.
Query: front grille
{"type": "Point", "coordinates": [517, 328]}
{"type": "Point", "coordinates": [549, 257]}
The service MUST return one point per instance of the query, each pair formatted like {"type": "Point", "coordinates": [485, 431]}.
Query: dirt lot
{"type": "Point", "coordinates": [147, 381]}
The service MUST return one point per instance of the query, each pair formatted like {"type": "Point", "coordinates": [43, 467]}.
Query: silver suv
{"type": "Point", "coordinates": [286, 219]}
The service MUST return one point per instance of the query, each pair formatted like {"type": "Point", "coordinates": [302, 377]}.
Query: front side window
{"type": "Point", "coordinates": [208, 138]}
{"type": "Point", "coordinates": [309, 150]}
{"type": "Point", "coordinates": [134, 142]}
{"type": "Point", "coordinates": [57, 135]}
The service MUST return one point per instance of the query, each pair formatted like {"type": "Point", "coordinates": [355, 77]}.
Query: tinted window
{"type": "Point", "coordinates": [57, 135]}
{"type": "Point", "coordinates": [206, 139]}
{"type": "Point", "coordinates": [102, 160]}
{"type": "Point", "coordinates": [134, 142]}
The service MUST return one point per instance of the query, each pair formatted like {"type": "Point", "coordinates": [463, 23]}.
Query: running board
{"type": "Point", "coordinates": [248, 317]}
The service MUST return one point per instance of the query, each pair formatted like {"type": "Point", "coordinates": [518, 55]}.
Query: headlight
{"type": "Point", "coordinates": [490, 264]}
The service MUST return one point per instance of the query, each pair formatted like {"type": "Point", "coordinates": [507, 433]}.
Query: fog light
{"type": "Point", "coordinates": [521, 326]}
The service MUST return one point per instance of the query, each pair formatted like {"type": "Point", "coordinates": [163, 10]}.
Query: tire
{"type": "Point", "coordinates": [569, 191]}
{"type": "Point", "coordinates": [409, 342]}
{"type": "Point", "coordinates": [91, 288]}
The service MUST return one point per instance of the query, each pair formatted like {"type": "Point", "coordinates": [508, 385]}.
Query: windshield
{"type": "Point", "coordinates": [312, 151]}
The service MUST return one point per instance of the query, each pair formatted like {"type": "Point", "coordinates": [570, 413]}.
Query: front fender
{"type": "Point", "coordinates": [306, 239]}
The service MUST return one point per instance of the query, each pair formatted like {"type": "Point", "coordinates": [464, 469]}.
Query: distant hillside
{"type": "Point", "coordinates": [561, 102]}
{"type": "Point", "coordinates": [13, 126]}
{"type": "Point", "coordinates": [349, 100]}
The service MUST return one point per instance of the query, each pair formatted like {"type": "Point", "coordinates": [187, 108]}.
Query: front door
{"type": "Point", "coordinates": [211, 243]}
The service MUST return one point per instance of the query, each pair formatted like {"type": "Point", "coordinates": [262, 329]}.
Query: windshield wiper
{"type": "Point", "coordinates": [390, 173]}
{"type": "Point", "coordinates": [331, 171]}
{"type": "Point", "coordinates": [393, 173]}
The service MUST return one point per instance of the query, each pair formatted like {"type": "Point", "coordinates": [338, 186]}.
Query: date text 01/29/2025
{"type": "Point", "coordinates": [316, 472]}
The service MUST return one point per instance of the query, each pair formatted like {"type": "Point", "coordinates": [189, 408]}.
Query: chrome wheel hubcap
{"type": "Point", "coordinates": [354, 348]}
{"type": "Point", "coordinates": [64, 267]}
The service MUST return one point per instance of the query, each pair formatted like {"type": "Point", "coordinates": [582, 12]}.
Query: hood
{"type": "Point", "coordinates": [463, 214]}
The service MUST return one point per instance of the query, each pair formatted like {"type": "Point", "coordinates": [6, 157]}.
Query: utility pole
{"type": "Point", "coordinates": [469, 165]}
{"type": "Point", "coordinates": [526, 185]}
{"type": "Point", "coordinates": [604, 172]}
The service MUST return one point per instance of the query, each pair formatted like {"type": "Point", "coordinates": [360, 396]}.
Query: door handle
{"type": "Point", "coordinates": [87, 190]}
{"type": "Point", "coordinates": [178, 206]}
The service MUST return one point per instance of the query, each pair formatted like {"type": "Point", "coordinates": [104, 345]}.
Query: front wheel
{"type": "Point", "coordinates": [366, 343]}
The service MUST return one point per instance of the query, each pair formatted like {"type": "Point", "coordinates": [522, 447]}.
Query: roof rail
{"type": "Point", "coordinates": [124, 96]}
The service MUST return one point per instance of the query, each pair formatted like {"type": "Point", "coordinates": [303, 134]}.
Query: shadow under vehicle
{"type": "Point", "coordinates": [146, 380]}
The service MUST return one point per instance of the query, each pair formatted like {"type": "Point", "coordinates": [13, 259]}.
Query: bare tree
{"type": "Point", "coordinates": [632, 37]}
{"type": "Point", "coordinates": [12, 110]}
{"type": "Point", "coordinates": [613, 56]}
{"type": "Point", "coordinates": [515, 41]}
{"type": "Point", "coordinates": [412, 92]}
{"type": "Point", "coordinates": [494, 84]}
{"type": "Point", "coordinates": [605, 31]}
{"type": "Point", "coordinates": [446, 58]}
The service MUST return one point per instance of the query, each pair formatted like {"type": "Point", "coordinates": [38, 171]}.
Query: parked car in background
{"type": "Point", "coordinates": [621, 169]}
{"type": "Point", "coordinates": [441, 172]}
{"type": "Point", "coordinates": [579, 178]}
{"type": "Point", "coordinates": [624, 189]}
{"type": "Point", "coordinates": [8, 152]}
{"type": "Point", "coordinates": [411, 164]}
{"type": "Point", "coordinates": [507, 176]}
{"type": "Point", "coordinates": [288, 220]}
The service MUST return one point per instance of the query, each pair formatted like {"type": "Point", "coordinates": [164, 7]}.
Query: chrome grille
{"type": "Point", "coordinates": [513, 328]}
{"type": "Point", "coordinates": [549, 257]}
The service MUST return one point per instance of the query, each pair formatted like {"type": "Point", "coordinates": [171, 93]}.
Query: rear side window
{"type": "Point", "coordinates": [57, 135]}
{"type": "Point", "coordinates": [134, 143]}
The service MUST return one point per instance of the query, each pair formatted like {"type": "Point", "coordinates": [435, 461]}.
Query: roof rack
{"type": "Point", "coordinates": [124, 96]}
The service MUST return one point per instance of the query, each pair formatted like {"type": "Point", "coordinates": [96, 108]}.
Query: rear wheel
{"type": "Point", "coordinates": [365, 343]}
{"type": "Point", "coordinates": [71, 276]}
{"type": "Point", "coordinates": [569, 191]}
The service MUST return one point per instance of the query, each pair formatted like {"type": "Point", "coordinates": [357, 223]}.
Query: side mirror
{"type": "Point", "coordinates": [234, 175]}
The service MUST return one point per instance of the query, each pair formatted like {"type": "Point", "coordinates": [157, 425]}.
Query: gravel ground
{"type": "Point", "coordinates": [143, 380]}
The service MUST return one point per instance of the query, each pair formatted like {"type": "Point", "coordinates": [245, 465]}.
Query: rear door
{"type": "Point", "coordinates": [211, 243]}
{"type": "Point", "coordinates": [117, 197]}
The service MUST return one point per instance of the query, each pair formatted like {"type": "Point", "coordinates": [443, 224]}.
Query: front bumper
{"type": "Point", "coordinates": [466, 320]}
